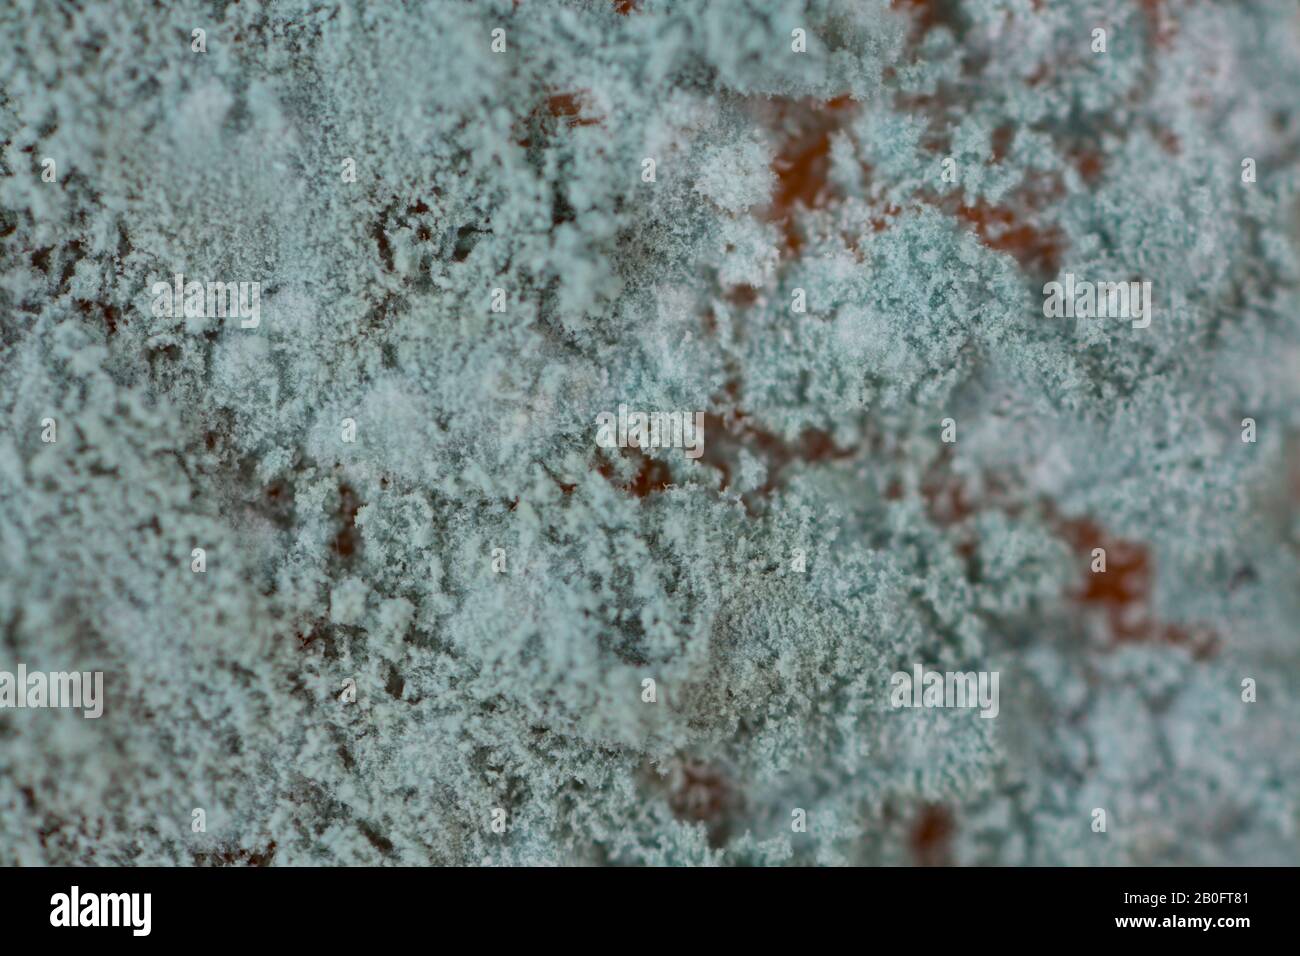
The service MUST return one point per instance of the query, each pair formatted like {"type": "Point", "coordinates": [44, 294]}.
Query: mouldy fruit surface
{"type": "Point", "coordinates": [495, 586]}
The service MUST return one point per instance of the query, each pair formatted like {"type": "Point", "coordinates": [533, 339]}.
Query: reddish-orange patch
{"type": "Point", "coordinates": [998, 228]}
{"type": "Point", "coordinates": [568, 106]}
{"type": "Point", "coordinates": [1127, 578]}
{"type": "Point", "coordinates": [926, 13]}
{"type": "Point", "coordinates": [1090, 164]}
{"type": "Point", "coordinates": [1123, 591]}
{"type": "Point", "coordinates": [741, 296]}
{"type": "Point", "coordinates": [652, 475]}
{"type": "Point", "coordinates": [1001, 141]}
{"type": "Point", "coordinates": [812, 446]}
{"type": "Point", "coordinates": [803, 164]}
{"type": "Point", "coordinates": [879, 223]}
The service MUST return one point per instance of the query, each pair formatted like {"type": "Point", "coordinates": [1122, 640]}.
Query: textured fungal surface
{"type": "Point", "coordinates": [373, 573]}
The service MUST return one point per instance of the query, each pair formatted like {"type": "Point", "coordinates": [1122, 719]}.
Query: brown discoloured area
{"type": "Point", "coordinates": [568, 107]}
{"type": "Point", "coordinates": [925, 14]}
{"type": "Point", "coordinates": [379, 232]}
{"type": "Point", "coordinates": [652, 474]}
{"type": "Point", "coordinates": [1121, 594]}
{"type": "Point", "coordinates": [306, 640]}
{"type": "Point", "coordinates": [1159, 22]}
{"type": "Point", "coordinates": [1036, 249]}
{"type": "Point", "coordinates": [1169, 141]}
{"type": "Point", "coordinates": [1090, 164]}
{"type": "Point", "coordinates": [881, 223]}
{"type": "Point", "coordinates": [702, 794]}
{"type": "Point", "coordinates": [1127, 578]}
{"type": "Point", "coordinates": [50, 825]}
{"type": "Point", "coordinates": [1123, 591]}
{"type": "Point", "coordinates": [803, 162]}
{"type": "Point", "coordinates": [1001, 141]}
{"type": "Point", "coordinates": [930, 837]}
{"type": "Point", "coordinates": [741, 296]}
{"type": "Point", "coordinates": [947, 500]}
{"type": "Point", "coordinates": [348, 539]}
{"type": "Point", "coordinates": [239, 857]}
{"type": "Point", "coordinates": [109, 314]}
{"type": "Point", "coordinates": [726, 435]}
